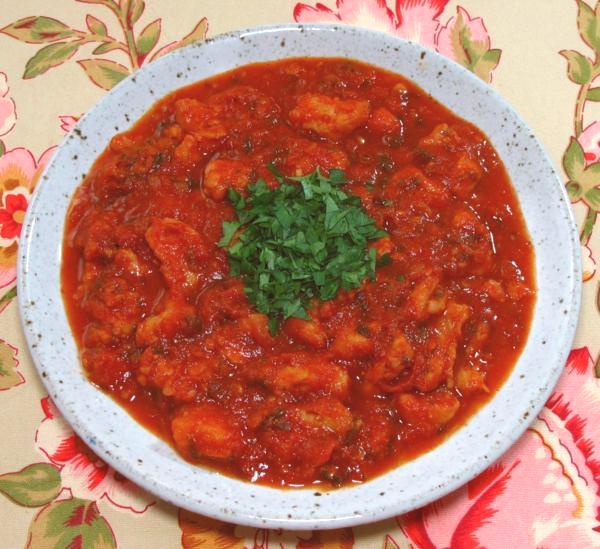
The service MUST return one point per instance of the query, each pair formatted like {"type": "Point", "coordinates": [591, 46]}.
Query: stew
{"type": "Point", "coordinates": [307, 386]}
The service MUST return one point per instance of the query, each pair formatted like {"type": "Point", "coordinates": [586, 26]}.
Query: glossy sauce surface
{"type": "Point", "coordinates": [382, 373]}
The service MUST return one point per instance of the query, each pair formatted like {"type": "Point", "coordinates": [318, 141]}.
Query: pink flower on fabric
{"type": "Point", "coordinates": [448, 46]}
{"type": "Point", "coordinates": [82, 472]}
{"type": "Point", "coordinates": [8, 114]}
{"type": "Point", "coordinates": [413, 19]}
{"type": "Point", "coordinates": [544, 492]}
{"type": "Point", "coordinates": [465, 39]}
{"type": "Point", "coordinates": [418, 20]}
{"type": "Point", "coordinates": [19, 171]}
{"type": "Point", "coordinates": [67, 123]}
{"type": "Point", "coordinates": [590, 142]}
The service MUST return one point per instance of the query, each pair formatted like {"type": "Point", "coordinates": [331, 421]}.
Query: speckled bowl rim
{"type": "Point", "coordinates": [118, 439]}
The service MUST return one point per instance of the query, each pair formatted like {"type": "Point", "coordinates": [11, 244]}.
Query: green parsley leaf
{"type": "Point", "coordinates": [229, 229]}
{"type": "Point", "coordinates": [305, 240]}
{"type": "Point", "coordinates": [384, 260]}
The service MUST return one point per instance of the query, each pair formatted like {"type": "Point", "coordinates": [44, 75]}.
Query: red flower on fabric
{"type": "Point", "coordinates": [67, 122]}
{"type": "Point", "coordinates": [12, 215]}
{"type": "Point", "coordinates": [549, 480]}
{"type": "Point", "coordinates": [82, 472]}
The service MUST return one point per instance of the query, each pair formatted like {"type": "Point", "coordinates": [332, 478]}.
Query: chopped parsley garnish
{"type": "Point", "coordinates": [306, 239]}
{"type": "Point", "coordinates": [385, 259]}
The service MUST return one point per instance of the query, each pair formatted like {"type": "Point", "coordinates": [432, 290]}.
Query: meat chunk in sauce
{"type": "Point", "coordinates": [329, 117]}
{"type": "Point", "coordinates": [469, 380]}
{"type": "Point", "coordinates": [474, 241]}
{"type": "Point", "coordinates": [400, 352]}
{"type": "Point", "coordinates": [309, 332]}
{"type": "Point", "coordinates": [426, 298]}
{"type": "Point", "coordinates": [256, 325]}
{"type": "Point", "coordinates": [429, 412]}
{"type": "Point", "coordinates": [222, 173]}
{"type": "Point", "coordinates": [411, 185]}
{"type": "Point", "coordinates": [206, 430]}
{"type": "Point", "coordinates": [182, 373]}
{"type": "Point", "coordinates": [383, 122]}
{"type": "Point", "coordinates": [441, 349]}
{"type": "Point", "coordinates": [177, 317]}
{"type": "Point", "coordinates": [350, 344]}
{"type": "Point", "coordinates": [180, 250]}
{"type": "Point", "coordinates": [240, 103]}
{"type": "Point", "coordinates": [223, 300]}
{"type": "Point", "coordinates": [302, 156]}
{"type": "Point", "coordinates": [305, 436]}
{"type": "Point", "coordinates": [117, 303]}
{"type": "Point", "coordinates": [449, 154]}
{"type": "Point", "coordinates": [300, 374]}
{"type": "Point", "coordinates": [205, 129]}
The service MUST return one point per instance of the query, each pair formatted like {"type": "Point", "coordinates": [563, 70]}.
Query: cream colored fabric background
{"type": "Point", "coordinates": [531, 75]}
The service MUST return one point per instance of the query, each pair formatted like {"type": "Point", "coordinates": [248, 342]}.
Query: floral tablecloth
{"type": "Point", "coordinates": [58, 58]}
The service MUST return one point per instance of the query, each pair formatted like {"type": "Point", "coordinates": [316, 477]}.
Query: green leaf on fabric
{"type": "Point", "coordinates": [95, 25]}
{"type": "Point", "coordinates": [589, 179]}
{"type": "Point", "coordinates": [49, 57]}
{"type": "Point", "coordinates": [33, 486]}
{"type": "Point", "coordinates": [574, 189]}
{"type": "Point", "coordinates": [574, 160]}
{"type": "Point", "coordinates": [148, 38]}
{"type": "Point", "coordinates": [588, 25]}
{"type": "Point", "coordinates": [593, 94]}
{"type": "Point", "coordinates": [474, 55]}
{"type": "Point", "coordinates": [459, 35]}
{"type": "Point", "coordinates": [134, 10]}
{"type": "Point", "coordinates": [9, 376]}
{"type": "Point", "coordinates": [106, 47]}
{"type": "Point", "coordinates": [487, 63]}
{"type": "Point", "coordinates": [593, 198]}
{"type": "Point", "coordinates": [588, 225]}
{"type": "Point", "coordinates": [103, 72]}
{"type": "Point", "coordinates": [71, 523]}
{"type": "Point", "coordinates": [38, 30]}
{"type": "Point", "coordinates": [198, 33]}
{"type": "Point", "coordinates": [579, 68]}
{"type": "Point", "coordinates": [9, 295]}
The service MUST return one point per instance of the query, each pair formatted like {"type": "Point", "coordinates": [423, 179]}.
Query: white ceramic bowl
{"type": "Point", "coordinates": [151, 463]}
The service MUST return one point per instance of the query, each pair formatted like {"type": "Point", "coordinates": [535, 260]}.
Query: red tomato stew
{"type": "Point", "coordinates": [372, 366]}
